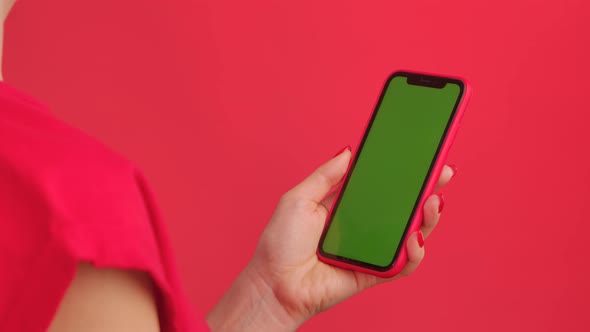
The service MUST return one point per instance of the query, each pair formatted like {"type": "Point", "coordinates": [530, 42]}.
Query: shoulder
{"type": "Point", "coordinates": [54, 176]}
{"type": "Point", "coordinates": [36, 141]}
{"type": "Point", "coordinates": [59, 182]}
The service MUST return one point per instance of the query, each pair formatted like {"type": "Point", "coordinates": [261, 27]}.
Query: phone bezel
{"type": "Point", "coordinates": [431, 81]}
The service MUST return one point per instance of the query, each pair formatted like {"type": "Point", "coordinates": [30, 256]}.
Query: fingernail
{"type": "Point", "coordinates": [454, 168]}
{"type": "Point", "coordinates": [344, 149]}
{"type": "Point", "coordinates": [441, 202]}
{"type": "Point", "coordinates": [420, 239]}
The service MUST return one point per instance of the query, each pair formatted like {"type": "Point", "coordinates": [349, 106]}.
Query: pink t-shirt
{"type": "Point", "coordinates": [66, 198]}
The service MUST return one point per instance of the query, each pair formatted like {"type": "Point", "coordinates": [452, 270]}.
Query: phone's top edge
{"type": "Point", "coordinates": [449, 78]}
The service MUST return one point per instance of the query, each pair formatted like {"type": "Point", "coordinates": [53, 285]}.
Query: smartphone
{"type": "Point", "coordinates": [394, 170]}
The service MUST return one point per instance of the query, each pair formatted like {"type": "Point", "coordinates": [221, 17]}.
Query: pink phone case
{"type": "Point", "coordinates": [416, 221]}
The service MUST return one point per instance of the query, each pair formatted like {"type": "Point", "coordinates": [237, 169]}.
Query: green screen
{"type": "Point", "coordinates": [392, 165]}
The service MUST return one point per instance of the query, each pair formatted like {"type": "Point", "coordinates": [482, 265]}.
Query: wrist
{"type": "Point", "coordinates": [250, 304]}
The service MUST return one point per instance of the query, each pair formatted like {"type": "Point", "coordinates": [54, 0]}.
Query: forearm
{"type": "Point", "coordinates": [249, 305]}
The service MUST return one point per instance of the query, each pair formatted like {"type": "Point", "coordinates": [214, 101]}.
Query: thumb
{"type": "Point", "coordinates": [316, 186]}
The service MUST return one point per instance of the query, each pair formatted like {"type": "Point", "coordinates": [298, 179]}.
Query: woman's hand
{"type": "Point", "coordinates": [285, 274]}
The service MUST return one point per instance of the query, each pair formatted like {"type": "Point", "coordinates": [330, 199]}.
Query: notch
{"type": "Point", "coordinates": [426, 80]}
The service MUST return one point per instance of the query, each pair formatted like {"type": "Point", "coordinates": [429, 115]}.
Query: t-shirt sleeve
{"type": "Point", "coordinates": [66, 199]}
{"type": "Point", "coordinates": [52, 225]}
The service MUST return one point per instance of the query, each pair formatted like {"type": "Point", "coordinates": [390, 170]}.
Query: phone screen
{"type": "Point", "coordinates": [384, 186]}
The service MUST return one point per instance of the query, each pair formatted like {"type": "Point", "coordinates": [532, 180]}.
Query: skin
{"type": "Point", "coordinates": [5, 6]}
{"type": "Point", "coordinates": [107, 300]}
{"type": "Point", "coordinates": [283, 285]}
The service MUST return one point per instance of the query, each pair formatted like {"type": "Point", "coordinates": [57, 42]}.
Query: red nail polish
{"type": "Point", "coordinates": [420, 239]}
{"type": "Point", "coordinates": [454, 168]}
{"type": "Point", "coordinates": [441, 200]}
{"type": "Point", "coordinates": [344, 149]}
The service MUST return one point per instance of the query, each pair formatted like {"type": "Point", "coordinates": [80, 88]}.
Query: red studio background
{"type": "Point", "coordinates": [227, 104]}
